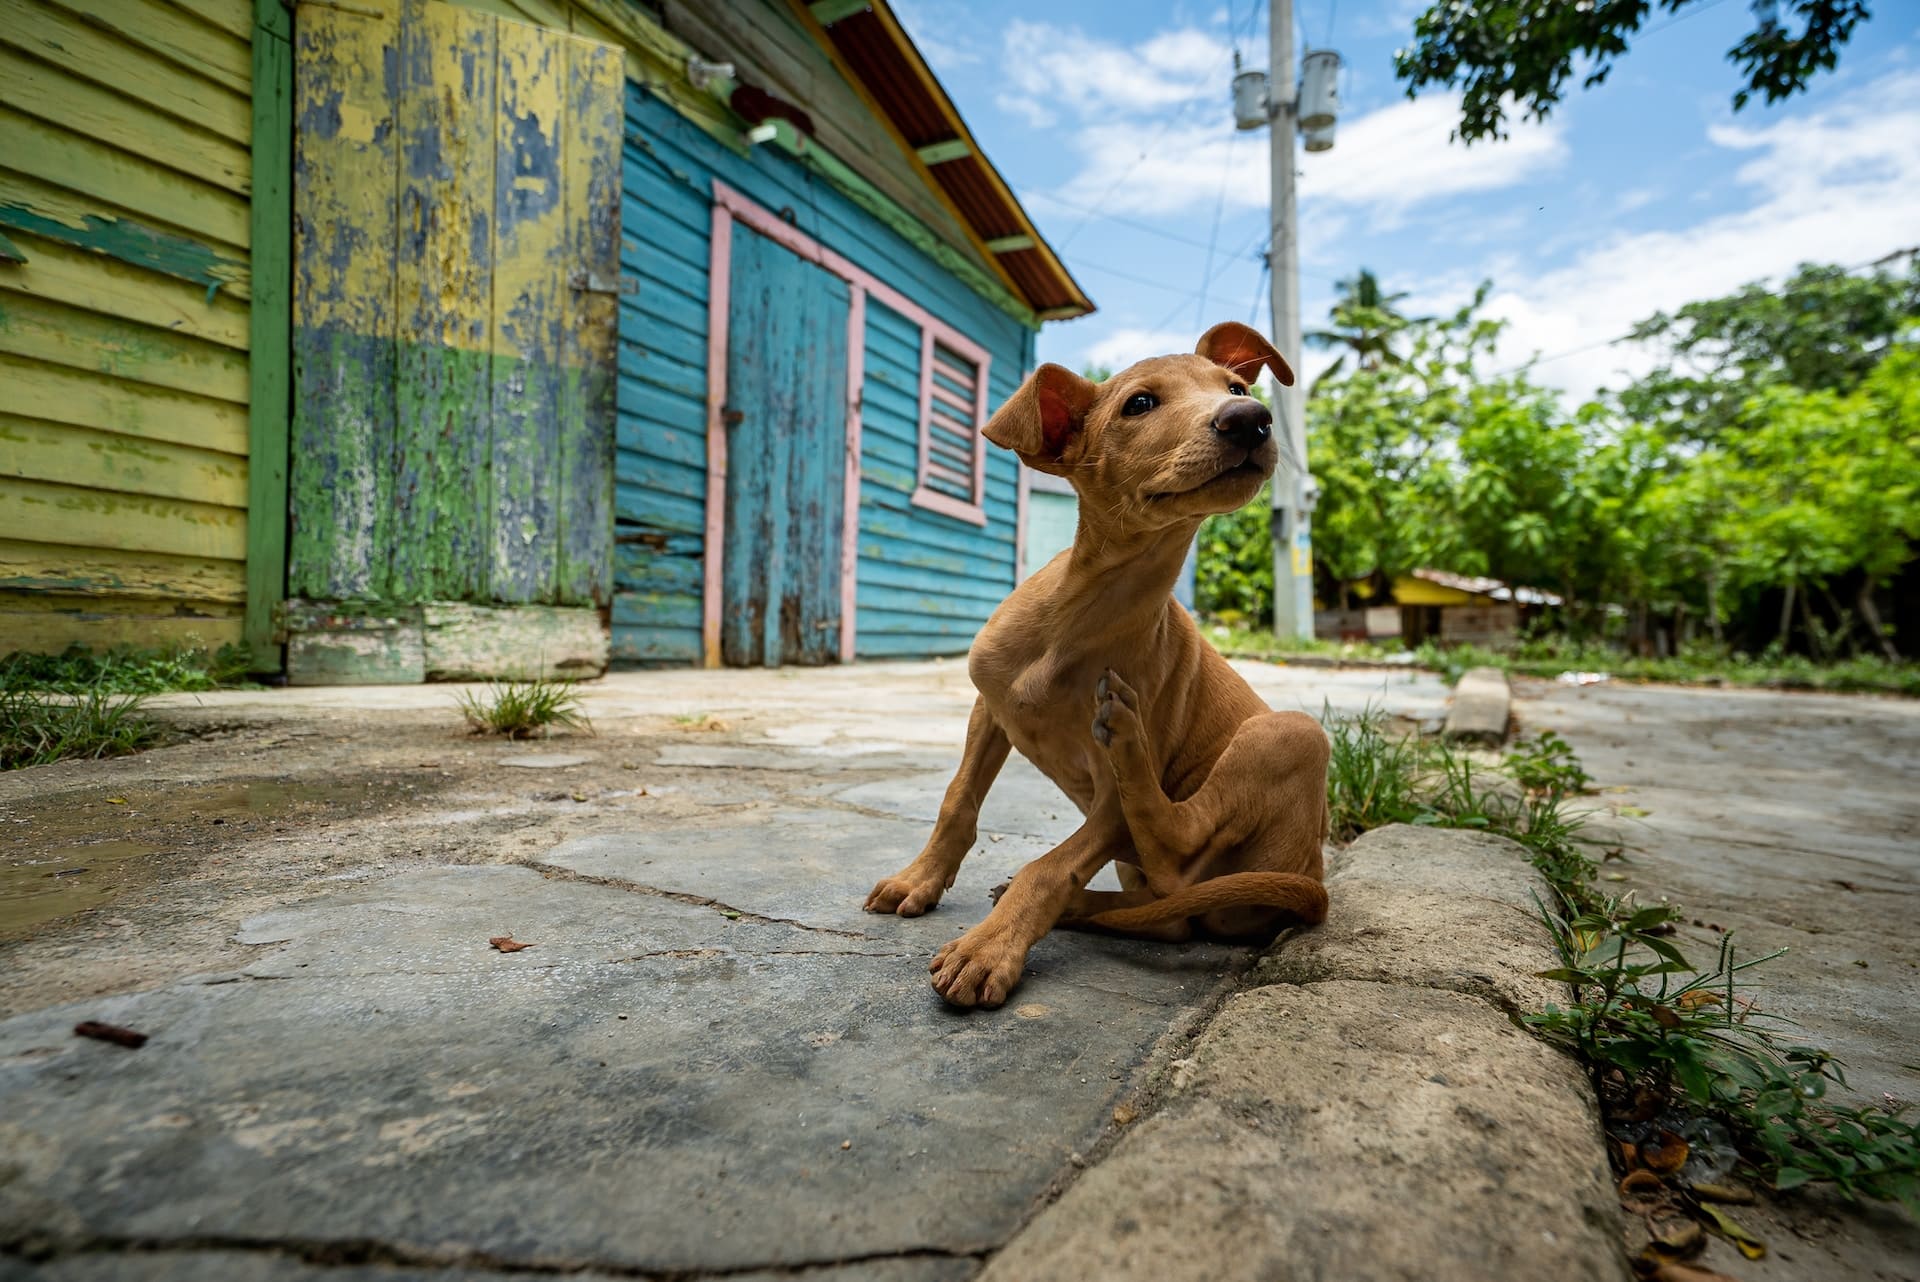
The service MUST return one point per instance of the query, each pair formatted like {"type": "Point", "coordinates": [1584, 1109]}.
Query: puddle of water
{"type": "Point", "coordinates": [43, 886]}
{"type": "Point", "coordinates": [84, 849]}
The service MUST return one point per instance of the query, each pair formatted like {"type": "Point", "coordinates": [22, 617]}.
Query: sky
{"type": "Point", "coordinates": [1112, 121]}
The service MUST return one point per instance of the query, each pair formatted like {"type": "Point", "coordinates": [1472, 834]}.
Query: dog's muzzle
{"type": "Point", "coordinates": [1244, 421]}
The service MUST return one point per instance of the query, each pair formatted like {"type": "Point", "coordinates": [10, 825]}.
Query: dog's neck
{"type": "Point", "coordinates": [1123, 577]}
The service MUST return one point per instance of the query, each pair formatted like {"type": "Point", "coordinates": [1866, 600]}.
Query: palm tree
{"type": "Point", "coordinates": [1364, 322]}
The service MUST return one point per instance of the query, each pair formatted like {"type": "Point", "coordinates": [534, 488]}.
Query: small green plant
{"type": "Point", "coordinates": [1686, 1038]}
{"type": "Point", "coordinates": [1546, 764]}
{"type": "Point", "coordinates": [37, 728]}
{"type": "Point", "coordinates": [522, 709]}
{"type": "Point", "coordinates": [1687, 1035]}
{"type": "Point", "coordinates": [127, 670]}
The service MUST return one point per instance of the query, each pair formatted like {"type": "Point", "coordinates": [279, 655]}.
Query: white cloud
{"type": "Point", "coordinates": [1840, 185]}
{"type": "Point", "coordinates": [1123, 347]}
{"type": "Point", "coordinates": [1053, 69]}
{"type": "Point", "coordinates": [1179, 168]}
{"type": "Point", "coordinates": [1391, 160]}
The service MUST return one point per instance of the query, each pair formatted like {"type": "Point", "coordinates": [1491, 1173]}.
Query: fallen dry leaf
{"type": "Point", "coordinates": [1731, 1193]}
{"type": "Point", "coordinates": [1750, 1246]}
{"type": "Point", "coordinates": [110, 1033]}
{"type": "Point", "coordinates": [1640, 1184]}
{"type": "Point", "coordinates": [1665, 1153]}
{"type": "Point", "coordinates": [1125, 1114]}
{"type": "Point", "coordinates": [507, 943]}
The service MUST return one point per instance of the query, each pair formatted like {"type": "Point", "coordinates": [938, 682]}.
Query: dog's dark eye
{"type": "Point", "coordinates": [1139, 403]}
{"type": "Point", "coordinates": [1237, 389]}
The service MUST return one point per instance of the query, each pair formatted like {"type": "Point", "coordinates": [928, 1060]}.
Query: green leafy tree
{"type": "Point", "coordinates": [1824, 330]}
{"type": "Point", "coordinates": [1504, 53]}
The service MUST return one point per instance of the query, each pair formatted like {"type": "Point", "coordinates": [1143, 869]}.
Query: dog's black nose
{"type": "Point", "coordinates": [1244, 421]}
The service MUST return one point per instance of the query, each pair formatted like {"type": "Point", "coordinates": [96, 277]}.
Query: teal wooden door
{"type": "Point", "coordinates": [786, 457]}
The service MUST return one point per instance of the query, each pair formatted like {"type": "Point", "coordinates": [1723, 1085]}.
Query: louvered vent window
{"type": "Point", "coordinates": [953, 409]}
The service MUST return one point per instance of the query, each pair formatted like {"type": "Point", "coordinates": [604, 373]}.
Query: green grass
{"type": "Point", "coordinates": [1657, 1030]}
{"type": "Point", "coordinates": [125, 670]}
{"type": "Point", "coordinates": [522, 709]}
{"type": "Point", "coordinates": [1697, 665]}
{"type": "Point", "coordinates": [38, 727]}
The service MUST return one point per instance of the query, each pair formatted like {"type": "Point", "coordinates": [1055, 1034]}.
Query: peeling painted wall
{"type": "Point", "coordinates": [125, 173]}
{"type": "Point", "coordinates": [456, 230]}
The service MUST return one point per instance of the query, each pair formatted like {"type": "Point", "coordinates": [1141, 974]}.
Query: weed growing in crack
{"type": "Point", "coordinates": [1661, 1035]}
{"type": "Point", "coordinates": [522, 709]}
{"type": "Point", "coordinates": [37, 728]}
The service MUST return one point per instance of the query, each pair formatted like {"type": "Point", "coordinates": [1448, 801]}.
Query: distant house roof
{"type": "Point", "coordinates": [1492, 588]}
{"type": "Point", "coordinates": [867, 40]}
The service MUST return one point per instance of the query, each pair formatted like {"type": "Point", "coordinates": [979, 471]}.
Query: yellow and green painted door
{"type": "Point", "coordinates": [456, 260]}
{"type": "Point", "coordinates": [127, 282]}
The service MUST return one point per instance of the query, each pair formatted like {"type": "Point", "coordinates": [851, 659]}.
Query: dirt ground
{"type": "Point", "coordinates": [1791, 821]}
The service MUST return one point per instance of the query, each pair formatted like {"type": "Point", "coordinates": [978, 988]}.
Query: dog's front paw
{"type": "Point", "coordinates": [907, 893]}
{"type": "Point", "coordinates": [980, 968]}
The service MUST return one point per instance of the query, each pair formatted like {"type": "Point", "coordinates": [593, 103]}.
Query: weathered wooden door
{"type": "Point", "coordinates": [457, 231]}
{"type": "Point", "coordinates": [786, 452]}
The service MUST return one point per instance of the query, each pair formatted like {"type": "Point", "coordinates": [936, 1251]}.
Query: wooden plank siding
{"type": "Point", "coordinates": [456, 182]}
{"type": "Point", "coordinates": [125, 181]}
{"type": "Point", "coordinates": [925, 581]}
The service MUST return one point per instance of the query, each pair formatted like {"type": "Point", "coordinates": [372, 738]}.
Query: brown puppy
{"type": "Point", "coordinates": [1214, 805]}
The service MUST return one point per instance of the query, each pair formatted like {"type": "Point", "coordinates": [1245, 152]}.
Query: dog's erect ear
{"type": "Point", "coordinates": [1040, 420]}
{"type": "Point", "coordinates": [1243, 350]}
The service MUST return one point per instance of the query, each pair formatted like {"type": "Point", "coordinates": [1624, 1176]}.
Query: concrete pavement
{"type": "Point", "coordinates": [708, 1063]}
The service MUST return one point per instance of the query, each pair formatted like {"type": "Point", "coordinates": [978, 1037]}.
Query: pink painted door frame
{"type": "Point", "coordinates": [729, 207]}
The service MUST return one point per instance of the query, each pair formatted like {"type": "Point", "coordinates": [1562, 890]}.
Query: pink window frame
{"type": "Point", "coordinates": [729, 207]}
{"type": "Point", "coordinates": [924, 495]}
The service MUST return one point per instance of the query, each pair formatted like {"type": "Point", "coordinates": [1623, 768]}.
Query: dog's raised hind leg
{"type": "Point", "coordinates": [918, 886]}
{"type": "Point", "coordinates": [1166, 834]}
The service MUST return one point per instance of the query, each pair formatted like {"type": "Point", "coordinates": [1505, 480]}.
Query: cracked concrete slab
{"type": "Point", "coordinates": [711, 1092]}
{"type": "Point", "coordinates": [709, 1062]}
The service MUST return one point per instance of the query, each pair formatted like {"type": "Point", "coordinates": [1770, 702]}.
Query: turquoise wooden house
{"type": "Point", "coordinates": [556, 333]}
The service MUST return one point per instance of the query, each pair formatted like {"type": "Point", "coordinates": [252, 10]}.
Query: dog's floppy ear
{"type": "Point", "coordinates": [1243, 350]}
{"type": "Point", "coordinates": [1040, 420]}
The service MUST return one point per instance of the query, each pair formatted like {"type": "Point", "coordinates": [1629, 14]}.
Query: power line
{"type": "Point", "coordinates": [1219, 206]}
{"type": "Point", "coordinates": [1177, 118]}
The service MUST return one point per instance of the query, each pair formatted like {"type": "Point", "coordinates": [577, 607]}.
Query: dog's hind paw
{"type": "Point", "coordinates": [1116, 716]}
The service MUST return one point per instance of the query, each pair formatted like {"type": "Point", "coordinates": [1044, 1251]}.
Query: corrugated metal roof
{"type": "Point", "coordinates": [873, 46]}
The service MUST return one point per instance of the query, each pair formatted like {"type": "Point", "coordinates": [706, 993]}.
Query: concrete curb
{"type": "Point", "coordinates": [1365, 1108]}
{"type": "Point", "coordinates": [1482, 706]}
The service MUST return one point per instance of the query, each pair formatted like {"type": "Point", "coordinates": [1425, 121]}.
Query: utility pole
{"type": "Point", "coordinates": [1292, 520]}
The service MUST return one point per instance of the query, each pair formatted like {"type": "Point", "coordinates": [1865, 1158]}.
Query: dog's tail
{"type": "Point", "coordinates": [1301, 896]}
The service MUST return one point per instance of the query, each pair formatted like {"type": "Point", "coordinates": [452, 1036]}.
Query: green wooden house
{"type": "Point", "coordinates": [404, 339]}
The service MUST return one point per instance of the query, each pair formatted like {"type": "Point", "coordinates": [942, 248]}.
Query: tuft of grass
{"type": "Point", "coordinates": [522, 709]}
{"type": "Point", "coordinates": [126, 670]}
{"type": "Point", "coordinates": [38, 728]}
{"type": "Point", "coordinates": [1663, 1034]}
